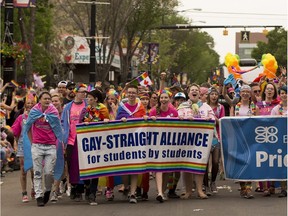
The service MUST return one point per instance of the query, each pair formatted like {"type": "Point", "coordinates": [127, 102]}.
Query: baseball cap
{"type": "Point", "coordinates": [180, 95]}
{"type": "Point", "coordinates": [62, 83]}
{"type": "Point", "coordinates": [70, 84]}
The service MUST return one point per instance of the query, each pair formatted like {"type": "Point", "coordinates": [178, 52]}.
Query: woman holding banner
{"type": "Point", "coordinates": [245, 107]}
{"type": "Point", "coordinates": [95, 111]}
{"type": "Point", "coordinates": [165, 109]}
{"type": "Point", "coordinates": [269, 101]}
{"type": "Point", "coordinates": [281, 109]}
{"type": "Point", "coordinates": [219, 112]}
{"type": "Point", "coordinates": [194, 108]}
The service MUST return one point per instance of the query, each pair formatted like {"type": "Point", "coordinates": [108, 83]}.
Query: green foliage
{"type": "Point", "coordinates": [277, 46]}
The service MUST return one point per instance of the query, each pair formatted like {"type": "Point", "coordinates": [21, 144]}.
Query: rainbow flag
{"type": "Point", "coordinates": [14, 83]}
{"type": "Point", "coordinates": [143, 80]}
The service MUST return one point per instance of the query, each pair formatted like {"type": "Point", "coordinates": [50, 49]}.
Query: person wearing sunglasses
{"type": "Point", "coordinates": [255, 92]}
{"type": "Point", "coordinates": [70, 94]}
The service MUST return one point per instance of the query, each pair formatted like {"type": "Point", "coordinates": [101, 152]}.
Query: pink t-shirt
{"type": "Point", "coordinates": [171, 112]}
{"type": "Point", "coordinates": [42, 132]}
{"type": "Point", "coordinates": [17, 125]}
{"type": "Point", "coordinates": [74, 119]}
{"type": "Point", "coordinates": [131, 108]}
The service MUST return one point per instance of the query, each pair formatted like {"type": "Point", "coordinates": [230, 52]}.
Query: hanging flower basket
{"type": "Point", "coordinates": [17, 51]}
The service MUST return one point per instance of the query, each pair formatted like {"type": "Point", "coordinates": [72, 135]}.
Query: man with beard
{"type": "Point", "coordinates": [70, 94]}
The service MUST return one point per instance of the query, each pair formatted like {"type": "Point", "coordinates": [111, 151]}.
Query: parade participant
{"type": "Point", "coordinates": [133, 108]}
{"type": "Point", "coordinates": [70, 94]}
{"type": "Point", "coordinates": [70, 117]}
{"type": "Point", "coordinates": [174, 177]}
{"type": "Point", "coordinates": [245, 107]}
{"type": "Point", "coordinates": [256, 92]}
{"type": "Point", "coordinates": [145, 98]}
{"type": "Point", "coordinates": [219, 112]}
{"type": "Point", "coordinates": [194, 108]}
{"type": "Point", "coordinates": [61, 88]}
{"type": "Point", "coordinates": [203, 94]}
{"type": "Point", "coordinates": [269, 101]}
{"type": "Point", "coordinates": [57, 101]}
{"type": "Point", "coordinates": [153, 99]}
{"type": "Point", "coordinates": [111, 102]}
{"type": "Point", "coordinates": [95, 111]}
{"type": "Point", "coordinates": [144, 178]}
{"type": "Point", "coordinates": [281, 109]}
{"type": "Point", "coordinates": [163, 109]}
{"type": "Point", "coordinates": [17, 129]}
{"type": "Point", "coordinates": [179, 98]}
{"type": "Point", "coordinates": [43, 128]}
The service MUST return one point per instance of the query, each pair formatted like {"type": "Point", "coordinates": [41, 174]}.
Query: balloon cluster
{"type": "Point", "coordinates": [270, 65]}
{"type": "Point", "coordinates": [232, 62]}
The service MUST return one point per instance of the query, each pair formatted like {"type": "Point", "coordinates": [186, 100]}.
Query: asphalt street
{"type": "Point", "coordinates": [226, 202]}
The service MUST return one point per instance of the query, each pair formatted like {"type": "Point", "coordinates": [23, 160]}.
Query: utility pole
{"type": "Point", "coordinates": [9, 64]}
{"type": "Point", "coordinates": [93, 65]}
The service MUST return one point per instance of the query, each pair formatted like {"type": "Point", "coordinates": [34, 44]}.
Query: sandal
{"type": "Point", "coordinates": [186, 196]}
{"type": "Point", "coordinates": [258, 189]}
{"type": "Point", "coordinates": [202, 196]}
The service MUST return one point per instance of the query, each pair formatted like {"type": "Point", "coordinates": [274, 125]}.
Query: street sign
{"type": "Point", "coordinates": [245, 36]}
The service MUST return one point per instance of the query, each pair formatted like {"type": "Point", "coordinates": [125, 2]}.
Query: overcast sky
{"type": "Point", "coordinates": [224, 12]}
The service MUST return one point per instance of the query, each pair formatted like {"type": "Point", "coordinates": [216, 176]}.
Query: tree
{"type": "Point", "coordinates": [277, 46]}
{"type": "Point", "coordinates": [147, 14]}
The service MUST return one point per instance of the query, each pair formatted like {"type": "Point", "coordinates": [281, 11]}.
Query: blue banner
{"type": "Point", "coordinates": [254, 148]}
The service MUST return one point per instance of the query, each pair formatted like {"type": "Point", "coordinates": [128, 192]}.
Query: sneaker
{"type": "Point", "coordinates": [72, 193]}
{"type": "Point", "coordinates": [46, 196]}
{"type": "Point", "coordinates": [144, 196]}
{"type": "Point", "coordinates": [78, 197]}
{"type": "Point", "coordinates": [54, 197]}
{"type": "Point", "coordinates": [248, 194]}
{"type": "Point", "coordinates": [62, 187]}
{"type": "Point", "coordinates": [138, 193]}
{"type": "Point", "coordinates": [68, 191]}
{"type": "Point", "coordinates": [266, 193]}
{"type": "Point", "coordinates": [133, 199]}
{"type": "Point", "coordinates": [92, 200]}
{"type": "Point", "coordinates": [283, 193]}
{"type": "Point", "coordinates": [171, 194]}
{"type": "Point", "coordinates": [109, 195]}
{"type": "Point", "coordinates": [160, 198]}
{"type": "Point", "coordinates": [40, 201]}
{"type": "Point", "coordinates": [125, 192]}
{"type": "Point", "coordinates": [25, 198]}
{"type": "Point", "coordinates": [208, 191]}
{"type": "Point", "coordinates": [213, 187]}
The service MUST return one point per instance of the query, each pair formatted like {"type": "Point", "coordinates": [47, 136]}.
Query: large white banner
{"type": "Point", "coordinates": [139, 146]}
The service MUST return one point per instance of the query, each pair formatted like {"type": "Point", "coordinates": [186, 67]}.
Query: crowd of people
{"type": "Point", "coordinates": [39, 128]}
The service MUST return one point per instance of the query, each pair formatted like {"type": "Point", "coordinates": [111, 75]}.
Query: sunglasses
{"type": "Point", "coordinates": [256, 91]}
{"type": "Point", "coordinates": [70, 89]}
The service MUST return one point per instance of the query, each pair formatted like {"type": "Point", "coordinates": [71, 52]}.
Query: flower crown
{"type": "Point", "coordinates": [82, 85]}
{"type": "Point", "coordinates": [164, 91]}
{"type": "Point", "coordinates": [112, 92]}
